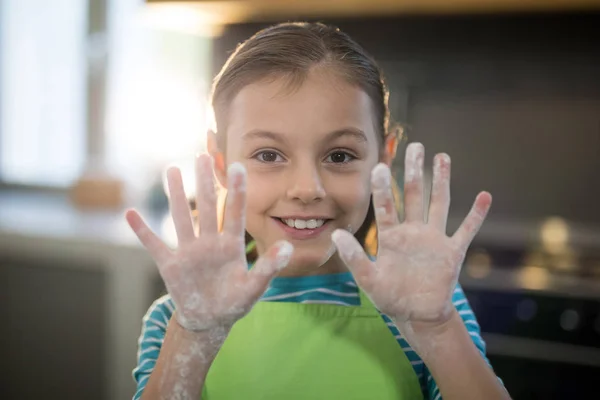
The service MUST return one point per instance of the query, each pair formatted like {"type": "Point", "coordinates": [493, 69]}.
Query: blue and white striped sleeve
{"type": "Point", "coordinates": [413, 357]}
{"type": "Point", "coordinates": [154, 326]}
{"type": "Point", "coordinates": [464, 310]}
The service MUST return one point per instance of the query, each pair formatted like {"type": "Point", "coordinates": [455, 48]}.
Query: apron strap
{"type": "Point", "coordinates": [366, 303]}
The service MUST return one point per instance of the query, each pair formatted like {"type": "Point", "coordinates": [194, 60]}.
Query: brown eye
{"type": "Point", "coordinates": [339, 157]}
{"type": "Point", "coordinates": [268, 156]}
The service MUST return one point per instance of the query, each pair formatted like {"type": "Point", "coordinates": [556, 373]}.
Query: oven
{"type": "Point", "coordinates": [539, 315]}
{"type": "Point", "coordinates": [543, 346]}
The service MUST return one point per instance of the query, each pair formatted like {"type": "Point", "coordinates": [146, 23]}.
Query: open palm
{"type": "Point", "coordinates": [417, 265]}
{"type": "Point", "coordinates": [207, 276]}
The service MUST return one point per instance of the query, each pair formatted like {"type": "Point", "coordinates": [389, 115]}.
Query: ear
{"type": "Point", "coordinates": [218, 157]}
{"type": "Point", "coordinates": [389, 149]}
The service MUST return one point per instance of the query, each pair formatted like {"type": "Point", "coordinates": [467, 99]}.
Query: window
{"type": "Point", "coordinates": [42, 81]}
{"type": "Point", "coordinates": [156, 92]}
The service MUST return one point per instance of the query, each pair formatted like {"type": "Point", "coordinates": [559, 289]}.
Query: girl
{"type": "Point", "coordinates": [303, 145]}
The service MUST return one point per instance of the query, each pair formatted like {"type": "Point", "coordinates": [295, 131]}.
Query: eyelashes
{"type": "Point", "coordinates": [268, 156]}
{"type": "Point", "coordinates": [337, 156]}
{"type": "Point", "coordinates": [340, 157]}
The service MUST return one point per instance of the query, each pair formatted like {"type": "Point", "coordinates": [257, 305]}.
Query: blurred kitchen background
{"type": "Point", "coordinates": [97, 97]}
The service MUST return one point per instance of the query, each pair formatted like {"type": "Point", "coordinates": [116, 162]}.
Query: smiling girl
{"type": "Point", "coordinates": [303, 146]}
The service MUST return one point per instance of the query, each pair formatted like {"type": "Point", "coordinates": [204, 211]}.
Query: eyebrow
{"type": "Point", "coordinates": [351, 132]}
{"type": "Point", "coordinates": [260, 134]}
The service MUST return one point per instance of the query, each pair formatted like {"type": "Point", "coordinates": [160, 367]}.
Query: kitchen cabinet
{"type": "Point", "coordinates": [74, 287]}
{"type": "Point", "coordinates": [53, 342]}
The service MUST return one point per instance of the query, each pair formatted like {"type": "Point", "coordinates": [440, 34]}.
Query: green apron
{"type": "Point", "coordinates": [297, 351]}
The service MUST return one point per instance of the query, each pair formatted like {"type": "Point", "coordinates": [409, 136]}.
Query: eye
{"type": "Point", "coordinates": [339, 157]}
{"type": "Point", "coordinates": [268, 156]}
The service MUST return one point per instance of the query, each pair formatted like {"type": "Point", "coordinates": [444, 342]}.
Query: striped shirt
{"type": "Point", "coordinates": [338, 289]}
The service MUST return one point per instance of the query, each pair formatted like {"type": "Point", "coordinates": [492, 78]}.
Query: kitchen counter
{"type": "Point", "coordinates": [45, 230]}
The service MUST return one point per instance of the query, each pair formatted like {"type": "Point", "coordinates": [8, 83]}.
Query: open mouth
{"type": "Point", "coordinates": [303, 224]}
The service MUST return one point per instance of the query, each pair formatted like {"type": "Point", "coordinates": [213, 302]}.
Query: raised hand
{"type": "Point", "coordinates": [417, 265]}
{"type": "Point", "coordinates": [207, 276]}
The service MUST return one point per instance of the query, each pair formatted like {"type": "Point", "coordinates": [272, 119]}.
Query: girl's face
{"type": "Point", "coordinates": [309, 155]}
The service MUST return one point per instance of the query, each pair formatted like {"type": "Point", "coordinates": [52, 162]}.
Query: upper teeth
{"type": "Point", "coordinates": [304, 223]}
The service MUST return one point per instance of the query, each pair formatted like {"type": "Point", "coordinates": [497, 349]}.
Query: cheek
{"type": "Point", "coordinates": [361, 208]}
{"type": "Point", "coordinates": [260, 193]}
{"type": "Point", "coordinates": [260, 197]}
{"type": "Point", "coordinates": [352, 195]}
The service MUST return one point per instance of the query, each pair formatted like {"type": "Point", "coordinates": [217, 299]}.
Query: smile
{"type": "Point", "coordinates": [300, 228]}
{"type": "Point", "coordinates": [303, 223]}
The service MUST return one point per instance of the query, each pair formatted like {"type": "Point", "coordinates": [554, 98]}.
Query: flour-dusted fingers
{"type": "Point", "coordinates": [267, 267]}
{"type": "Point", "coordinates": [413, 183]}
{"type": "Point", "coordinates": [472, 223]}
{"type": "Point", "coordinates": [235, 214]}
{"type": "Point", "coordinates": [180, 209]}
{"type": "Point", "coordinates": [157, 249]}
{"type": "Point", "coordinates": [418, 264]}
{"type": "Point", "coordinates": [383, 198]}
{"type": "Point", "coordinates": [206, 196]}
{"type": "Point", "coordinates": [354, 256]}
{"type": "Point", "coordinates": [440, 192]}
{"type": "Point", "coordinates": [205, 276]}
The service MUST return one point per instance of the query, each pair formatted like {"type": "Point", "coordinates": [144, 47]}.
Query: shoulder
{"type": "Point", "coordinates": [465, 311]}
{"type": "Point", "coordinates": [458, 297]}
{"type": "Point", "coordinates": [160, 312]}
{"type": "Point", "coordinates": [154, 327]}
{"type": "Point", "coordinates": [460, 301]}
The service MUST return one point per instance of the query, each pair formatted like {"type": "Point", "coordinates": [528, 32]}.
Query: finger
{"type": "Point", "coordinates": [268, 266]}
{"type": "Point", "coordinates": [413, 183]}
{"type": "Point", "coordinates": [180, 208]}
{"type": "Point", "coordinates": [235, 213]}
{"type": "Point", "coordinates": [470, 226]}
{"type": "Point", "coordinates": [206, 197]}
{"type": "Point", "coordinates": [383, 198]}
{"type": "Point", "coordinates": [156, 247]}
{"type": "Point", "coordinates": [354, 256]}
{"type": "Point", "coordinates": [440, 192]}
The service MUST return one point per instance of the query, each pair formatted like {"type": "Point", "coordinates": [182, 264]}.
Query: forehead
{"type": "Point", "coordinates": [323, 103]}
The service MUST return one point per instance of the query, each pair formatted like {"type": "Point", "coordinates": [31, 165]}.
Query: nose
{"type": "Point", "coordinates": [305, 184]}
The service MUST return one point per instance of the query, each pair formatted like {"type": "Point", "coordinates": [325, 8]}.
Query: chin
{"type": "Point", "coordinates": [312, 260]}
{"type": "Point", "coordinates": [307, 261]}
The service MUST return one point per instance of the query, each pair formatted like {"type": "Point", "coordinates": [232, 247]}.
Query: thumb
{"type": "Point", "coordinates": [353, 255]}
{"type": "Point", "coordinates": [268, 265]}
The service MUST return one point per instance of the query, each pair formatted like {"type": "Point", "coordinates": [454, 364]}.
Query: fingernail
{"type": "Point", "coordinates": [284, 254]}
{"type": "Point", "coordinates": [439, 162]}
{"type": "Point", "coordinates": [414, 161]}
{"type": "Point", "coordinates": [202, 162]}
{"type": "Point", "coordinates": [343, 244]}
{"type": "Point", "coordinates": [381, 176]}
{"type": "Point", "coordinates": [172, 174]}
{"type": "Point", "coordinates": [236, 172]}
{"type": "Point", "coordinates": [336, 236]}
{"type": "Point", "coordinates": [236, 168]}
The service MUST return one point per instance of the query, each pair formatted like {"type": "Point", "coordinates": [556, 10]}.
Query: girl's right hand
{"type": "Point", "coordinates": [208, 276]}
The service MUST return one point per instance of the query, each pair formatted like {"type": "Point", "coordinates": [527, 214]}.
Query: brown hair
{"type": "Point", "coordinates": [291, 51]}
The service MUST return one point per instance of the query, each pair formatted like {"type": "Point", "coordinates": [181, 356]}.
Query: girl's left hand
{"type": "Point", "coordinates": [417, 265]}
